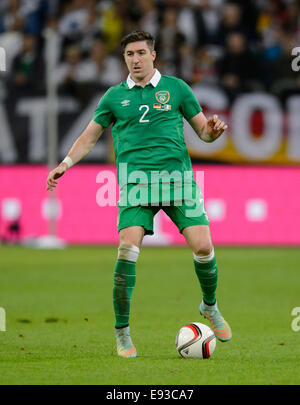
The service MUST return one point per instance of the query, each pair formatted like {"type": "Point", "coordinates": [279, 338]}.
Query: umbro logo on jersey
{"type": "Point", "coordinates": [125, 103]}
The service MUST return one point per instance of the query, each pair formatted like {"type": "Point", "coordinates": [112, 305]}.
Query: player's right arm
{"type": "Point", "coordinates": [81, 147]}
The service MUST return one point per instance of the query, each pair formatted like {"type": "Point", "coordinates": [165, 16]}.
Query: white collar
{"type": "Point", "coordinates": [154, 80]}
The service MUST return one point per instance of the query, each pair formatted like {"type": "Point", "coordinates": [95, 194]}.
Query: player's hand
{"type": "Point", "coordinates": [55, 174]}
{"type": "Point", "coordinates": [215, 127]}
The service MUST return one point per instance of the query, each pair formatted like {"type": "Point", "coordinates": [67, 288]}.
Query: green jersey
{"type": "Point", "coordinates": [147, 123]}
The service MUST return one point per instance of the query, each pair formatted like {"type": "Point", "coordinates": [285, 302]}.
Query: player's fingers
{"type": "Point", "coordinates": [218, 124]}
{"type": "Point", "coordinates": [51, 181]}
{"type": "Point", "coordinates": [215, 117]}
{"type": "Point", "coordinates": [50, 187]}
{"type": "Point", "coordinates": [51, 184]}
{"type": "Point", "coordinates": [221, 130]}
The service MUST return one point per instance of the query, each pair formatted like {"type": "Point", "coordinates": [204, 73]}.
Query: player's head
{"type": "Point", "coordinates": [139, 53]}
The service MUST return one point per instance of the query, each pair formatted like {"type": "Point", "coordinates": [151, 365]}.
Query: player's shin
{"type": "Point", "coordinates": [207, 273]}
{"type": "Point", "coordinates": [124, 282]}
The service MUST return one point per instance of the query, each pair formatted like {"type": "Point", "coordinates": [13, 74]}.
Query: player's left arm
{"type": "Point", "coordinates": [208, 129]}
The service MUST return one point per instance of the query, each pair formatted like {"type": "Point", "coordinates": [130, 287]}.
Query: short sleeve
{"type": "Point", "coordinates": [103, 114]}
{"type": "Point", "coordinates": [189, 105]}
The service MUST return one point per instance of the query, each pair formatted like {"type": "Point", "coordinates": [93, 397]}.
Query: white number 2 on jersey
{"type": "Point", "coordinates": [145, 112]}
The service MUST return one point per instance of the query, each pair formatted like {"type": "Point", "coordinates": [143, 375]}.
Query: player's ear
{"type": "Point", "coordinates": [153, 55]}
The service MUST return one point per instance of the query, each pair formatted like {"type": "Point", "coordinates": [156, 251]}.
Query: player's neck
{"type": "Point", "coordinates": [145, 80]}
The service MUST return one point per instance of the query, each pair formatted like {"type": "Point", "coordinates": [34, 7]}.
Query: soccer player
{"type": "Point", "coordinates": [147, 112]}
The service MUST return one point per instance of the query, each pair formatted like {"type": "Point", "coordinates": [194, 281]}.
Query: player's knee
{"type": "Point", "coordinates": [204, 249]}
{"type": "Point", "coordinates": [127, 251]}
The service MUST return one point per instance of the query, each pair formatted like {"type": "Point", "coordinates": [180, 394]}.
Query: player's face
{"type": "Point", "coordinates": [139, 59]}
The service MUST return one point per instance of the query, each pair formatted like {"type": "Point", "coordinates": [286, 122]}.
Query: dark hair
{"type": "Point", "coordinates": [136, 36]}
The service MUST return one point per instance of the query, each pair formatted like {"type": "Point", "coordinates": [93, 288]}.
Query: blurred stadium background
{"type": "Point", "coordinates": [236, 55]}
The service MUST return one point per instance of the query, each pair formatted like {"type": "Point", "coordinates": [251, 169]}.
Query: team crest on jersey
{"type": "Point", "coordinates": [162, 96]}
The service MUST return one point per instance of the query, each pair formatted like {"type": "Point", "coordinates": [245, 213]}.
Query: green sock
{"type": "Point", "coordinates": [124, 282]}
{"type": "Point", "coordinates": [207, 274]}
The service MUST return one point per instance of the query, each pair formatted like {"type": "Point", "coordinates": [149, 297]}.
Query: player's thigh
{"type": "Point", "coordinates": [193, 223]}
{"type": "Point", "coordinates": [198, 238]}
{"type": "Point", "coordinates": [134, 223]}
{"type": "Point", "coordinates": [132, 235]}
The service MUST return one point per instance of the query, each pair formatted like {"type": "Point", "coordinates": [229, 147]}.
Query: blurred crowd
{"type": "Point", "coordinates": [240, 46]}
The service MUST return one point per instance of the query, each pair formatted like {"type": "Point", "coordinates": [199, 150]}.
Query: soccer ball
{"type": "Point", "coordinates": [195, 341]}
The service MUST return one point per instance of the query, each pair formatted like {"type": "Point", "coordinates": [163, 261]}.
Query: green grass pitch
{"type": "Point", "coordinates": [60, 323]}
